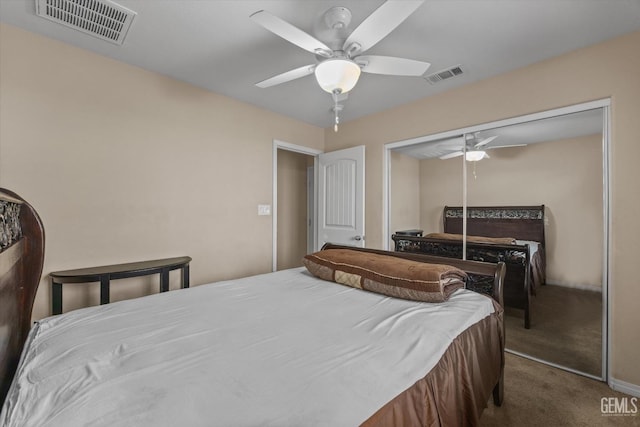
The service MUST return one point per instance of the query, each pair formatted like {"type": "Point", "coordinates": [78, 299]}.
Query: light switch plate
{"type": "Point", "coordinates": [264, 209]}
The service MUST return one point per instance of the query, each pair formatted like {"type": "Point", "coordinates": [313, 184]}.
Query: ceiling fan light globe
{"type": "Point", "coordinates": [474, 155]}
{"type": "Point", "coordinates": [337, 75]}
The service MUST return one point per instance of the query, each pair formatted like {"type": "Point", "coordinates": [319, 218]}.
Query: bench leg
{"type": "Point", "coordinates": [56, 297]}
{"type": "Point", "coordinates": [185, 276]}
{"type": "Point", "coordinates": [104, 289]}
{"type": "Point", "coordinates": [164, 280]}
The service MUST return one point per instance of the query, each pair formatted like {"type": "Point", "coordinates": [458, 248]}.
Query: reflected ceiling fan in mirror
{"type": "Point", "coordinates": [476, 147]}
{"type": "Point", "coordinates": [340, 60]}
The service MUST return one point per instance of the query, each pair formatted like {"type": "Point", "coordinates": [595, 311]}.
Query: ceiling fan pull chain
{"type": "Point", "coordinates": [336, 109]}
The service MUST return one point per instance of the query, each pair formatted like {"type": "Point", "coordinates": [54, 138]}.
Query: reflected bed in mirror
{"type": "Point", "coordinates": [510, 234]}
{"type": "Point", "coordinates": [556, 158]}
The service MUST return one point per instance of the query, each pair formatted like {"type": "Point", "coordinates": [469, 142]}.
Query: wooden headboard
{"type": "Point", "coordinates": [519, 222]}
{"type": "Point", "coordinates": [21, 258]}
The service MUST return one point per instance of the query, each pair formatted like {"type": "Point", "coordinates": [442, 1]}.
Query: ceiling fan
{"type": "Point", "coordinates": [338, 67]}
{"type": "Point", "coordinates": [476, 147]}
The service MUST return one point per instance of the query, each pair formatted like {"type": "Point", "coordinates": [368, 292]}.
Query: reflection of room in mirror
{"type": "Point", "coordinates": [557, 162]}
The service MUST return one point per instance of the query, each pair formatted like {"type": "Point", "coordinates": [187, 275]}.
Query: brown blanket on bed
{"type": "Point", "coordinates": [387, 275]}
{"type": "Point", "coordinates": [456, 390]}
{"type": "Point", "coordinates": [473, 239]}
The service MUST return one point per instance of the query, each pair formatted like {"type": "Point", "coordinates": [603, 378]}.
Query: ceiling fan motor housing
{"type": "Point", "coordinates": [337, 18]}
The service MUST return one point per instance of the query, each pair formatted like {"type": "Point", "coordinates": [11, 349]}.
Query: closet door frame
{"type": "Point", "coordinates": [603, 104]}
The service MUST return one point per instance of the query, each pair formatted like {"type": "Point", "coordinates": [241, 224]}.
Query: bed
{"type": "Point", "coordinates": [511, 234]}
{"type": "Point", "coordinates": [284, 348]}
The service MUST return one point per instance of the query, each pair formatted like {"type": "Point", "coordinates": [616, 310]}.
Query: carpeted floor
{"type": "Point", "coordinates": [539, 395]}
{"type": "Point", "coordinates": [566, 328]}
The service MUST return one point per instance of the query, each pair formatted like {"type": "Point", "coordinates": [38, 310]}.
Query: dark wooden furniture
{"type": "Point", "coordinates": [21, 258]}
{"type": "Point", "coordinates": [519, 222]}
{"type": "Point", "coordinates": [105, 274]}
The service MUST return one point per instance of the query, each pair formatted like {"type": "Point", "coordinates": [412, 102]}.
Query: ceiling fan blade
{"type": "Point", "coordinates": [291, 33]}
{"type": "Point", "coordinates": [288, 76]}
{"type": "Point", "coordinates": [379, 24]}
{"type": "Point", "coordinates": [451, 155]}
{"type": "Point", "coordinates": [485, 141]}
{"type": "Point", "coordinates": [453, 143]}
{"type": "Point", "coordinates": [506, 146]}
{"type": "Point", "coordinates": [390, 65]}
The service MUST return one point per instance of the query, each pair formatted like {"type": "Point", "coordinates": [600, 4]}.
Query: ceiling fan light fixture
{"type": "Point", "coordinates": [337, 75]}
{"type": "Point", "coordinates": [475, 155]}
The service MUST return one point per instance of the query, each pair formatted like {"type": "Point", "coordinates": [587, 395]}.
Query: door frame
{"type": "Point", "coordinates": [281, 145]}
{"type": "Point", "coordinates": [311, 209]}
{"type": "Point", "coordinates": [605, 104]}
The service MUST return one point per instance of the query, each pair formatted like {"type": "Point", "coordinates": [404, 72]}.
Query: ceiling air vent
{"type": "Point", "coordinates": [444, 74]}
{"type": "Point", "coordinates": [100, 18]}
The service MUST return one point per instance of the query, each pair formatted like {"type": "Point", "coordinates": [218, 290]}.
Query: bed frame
{"type": "Point", "coordinates": [21, 258]}
{"type": "Point", "coordinates": [519, 222]}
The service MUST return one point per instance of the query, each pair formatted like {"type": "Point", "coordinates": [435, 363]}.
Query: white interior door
{"type": "Point", "coordinates": [341, 197]}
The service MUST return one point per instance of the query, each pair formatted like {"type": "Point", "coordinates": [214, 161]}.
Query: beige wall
{"type": "Point", "coordinates": [565, 176]}
{"type": "Point", "coordinates": [405, 193]}
{"type": "Point", "coordinates": [124, 165]}
{"type": "Point", "coordinates": [292, 208]}
{"type": "Point", "coordinates": [606, 70]}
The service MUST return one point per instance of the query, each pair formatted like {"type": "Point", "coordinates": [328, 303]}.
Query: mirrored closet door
{"type": "Point", "coordinates": [550, 172]}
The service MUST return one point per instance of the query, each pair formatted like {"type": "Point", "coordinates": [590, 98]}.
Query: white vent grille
{"type": "Point", "coordinates": [100, 18]}
{"type": "Point", "coordinates": [444, 74]}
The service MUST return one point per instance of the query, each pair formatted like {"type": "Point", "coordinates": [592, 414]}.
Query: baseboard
{"type": "Point", "coordinates": [624, 387]}
{"type": "Point", "coordinates": [592, 288]}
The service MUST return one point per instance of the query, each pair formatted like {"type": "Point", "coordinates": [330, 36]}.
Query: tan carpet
{"type": "Point", "coordinates": [539, 395]}
{"type": "Point", "coordinates": [566, 328]}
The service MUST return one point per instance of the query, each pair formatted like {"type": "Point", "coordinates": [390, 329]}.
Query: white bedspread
{"type": "Point", "coordinates": [281, 349]}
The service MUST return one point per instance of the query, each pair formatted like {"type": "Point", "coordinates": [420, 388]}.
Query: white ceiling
{"type": "Point", "coordinates": [214, 44]}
